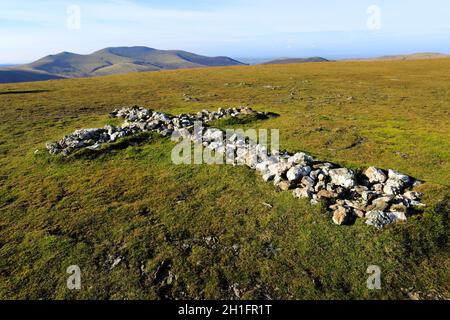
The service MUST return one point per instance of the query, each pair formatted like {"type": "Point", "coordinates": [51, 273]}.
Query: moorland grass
{"type": "Point", "coordinates": [209, 227]}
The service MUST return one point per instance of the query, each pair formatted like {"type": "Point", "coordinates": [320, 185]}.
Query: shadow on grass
{"type": "Point", "coordinates": [23, 92]}
{"type": "Point", "coordinates": [134, 140]}
{"type": "Point", "coordinates": [242, 120]}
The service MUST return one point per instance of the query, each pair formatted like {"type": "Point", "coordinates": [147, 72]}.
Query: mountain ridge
{"type": "Point", "coordinates": [296, 60]}
{"type": "Point", "coordinates": [111, 60]}
{"type": "Point", "coordinates": [410, 56]}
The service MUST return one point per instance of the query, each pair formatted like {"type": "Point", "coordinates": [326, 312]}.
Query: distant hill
{"type": "Point", "coordinates": [414, 56]}
{"type": "Point", "coordinates": [11, 76]}
{"type": "Point", "coordinates": [119, 60]}
{"type": "Point", "coordinates": [297, 60]}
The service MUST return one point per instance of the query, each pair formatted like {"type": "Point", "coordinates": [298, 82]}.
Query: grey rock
{"type": "Point", "coordinates": [300, 158]}
{"type": "Point", "coordinates": [393, 187]}
{"type": "Point", "coordinates": [375, 175]}
{"type": "Point", "coordinates": [394, 175]}
{"type": "Point", "coordinates": [116, 262]}
{"type": "Point", "coordinates": [53, 148]}
{"type": "Point", "coordinates": [380, 219]}
{"type": "Point", "coordinates": [308, 182]}
{"type": "Point", "coordinates": [314, 174]}
{"type": "Point", "coordinates": [295, 173]}
{"type": "Point", "coordinates": [412, 195]}
{"type": "Point", "coordinates": [279, 169]}
{"type": "Point", "coordinates": [343, 177]}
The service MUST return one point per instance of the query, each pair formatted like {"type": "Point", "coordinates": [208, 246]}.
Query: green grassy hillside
{"type": "Point", "coordinates": [140, 227]}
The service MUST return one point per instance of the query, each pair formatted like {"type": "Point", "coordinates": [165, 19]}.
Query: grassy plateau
{"type": "Point", "coordinates": [140, 227]}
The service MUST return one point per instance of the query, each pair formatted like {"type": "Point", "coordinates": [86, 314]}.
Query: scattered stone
{"type": "Point", "coordinates": [308, 182]}
{"type": "Point", "coordinates": [116, 262]}
{"type": "Point", "coordinates": [360, 189]}
{"type": "Point", "coordinates": [268, 205]}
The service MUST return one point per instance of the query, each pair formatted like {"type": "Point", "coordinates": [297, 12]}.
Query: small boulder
{"type": "Point", "coordinates": [279, 168]}
{"type": "Point", "coordinates": [359, 213]}
{"type": "Point", "coordinates": [302, 193]}
{"type": "Point", "coordinates": [343, 177]}
{"type": "Point", "coordinates": [283, 185]}
{"type": "Point", "coordinates": [268, 176]}
{"type": "Point", "coordinates": [326, 194]}
{"type": "Point", "coordinates": [308, 182]}
{"type": "Point", "coordinates": [393, 187]}
{"type": "Point", "coordinates": [380, 219]}
{"type": "Point", "coordinates": [412, 195]}
{"type": "Point", "coordinates": [379, 204]}
{"type": "Point", "coordinates": [341, 216]}
{"type": "Point", "coordinates": [398, 207]}
{"type": "Point", "coordinates": [300, 158]}
{"type": "Point", "coordinates": [394, 175]}
{"type": "Point", "coordinates": [53, 148]}
{"type": "Point", "coordinates": [375, 175]}
{"type": "Point", "coordinates": [295, 173]}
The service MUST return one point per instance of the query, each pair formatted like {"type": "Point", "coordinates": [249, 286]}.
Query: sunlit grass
{"type": "Point", "coordinates": [129, 200]}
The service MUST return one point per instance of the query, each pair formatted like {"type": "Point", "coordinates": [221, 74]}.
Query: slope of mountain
{"type": "Point", "coordinates": [413, 56]}
{"type": "Point", "coordinates": [297, 60]}
{"type": "Point", "coordinates": [123, 60]}
{"type": "Point", "coordinates": [109, 61]}
{"type": "Point", "coordinates": [13, 75]}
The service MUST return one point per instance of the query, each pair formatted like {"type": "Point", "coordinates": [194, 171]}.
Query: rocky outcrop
{"type": "Point", "coordinates": [381, 197]}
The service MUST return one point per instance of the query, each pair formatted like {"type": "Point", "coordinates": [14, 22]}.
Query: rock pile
{"type": "Point", "coordinates": [137, 120]}
{"type": "Point", "coordinates": [381, 197]}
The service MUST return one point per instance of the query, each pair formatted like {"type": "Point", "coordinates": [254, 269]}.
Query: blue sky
{"type": "Point", "coordinates": [245, 28]}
